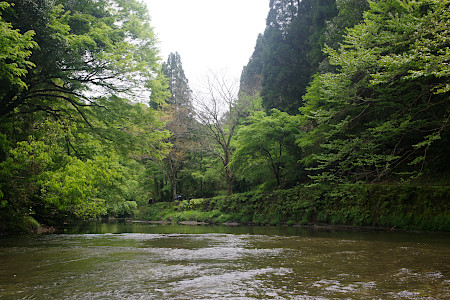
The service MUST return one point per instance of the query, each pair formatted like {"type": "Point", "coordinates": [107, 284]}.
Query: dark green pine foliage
{"type": "Point", "coordinates": [350, 13]}
{"type": "Point", "coordinates": [289, 52]}
{"type": "Point", "coordinates": [181, 94]}
{"type": "Point", "coordinates": [251, 77]}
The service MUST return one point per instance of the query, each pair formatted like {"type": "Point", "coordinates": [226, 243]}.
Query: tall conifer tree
{"type": "Point", "coordinates": [179, 118]}
{"type": "Point", "coordinates": [178, 83]}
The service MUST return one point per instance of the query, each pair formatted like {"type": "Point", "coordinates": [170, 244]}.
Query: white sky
{"type": "Point", "coordinates": [209, 35]}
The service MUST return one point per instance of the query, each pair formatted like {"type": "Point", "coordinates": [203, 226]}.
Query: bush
{"type": "Point", "coordinates": [29, 224]}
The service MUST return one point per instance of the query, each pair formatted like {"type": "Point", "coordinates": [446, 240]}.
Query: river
{"type": "Point", "coordinates": [145, 261]}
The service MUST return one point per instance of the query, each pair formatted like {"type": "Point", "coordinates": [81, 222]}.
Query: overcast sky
{"type": "Point", "coordinates": [212, 35]}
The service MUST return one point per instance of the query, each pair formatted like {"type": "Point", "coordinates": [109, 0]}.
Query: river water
{"type": "Point", "coordinates": [144, 261]}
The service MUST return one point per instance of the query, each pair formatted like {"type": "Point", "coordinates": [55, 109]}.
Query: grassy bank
{"type": "Point", "coordinates": [405, 207]}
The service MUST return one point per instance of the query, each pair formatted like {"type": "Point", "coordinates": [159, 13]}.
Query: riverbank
{"type": "Point", "coordinates": [403, 207]}
{"type": "Point", "coordinates": [311, 226]}
{"type": "Point", "coordinates": [351, 206]}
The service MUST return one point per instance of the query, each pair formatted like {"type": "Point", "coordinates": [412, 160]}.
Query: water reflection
{"type": "Point", "coordinates": [144, 261]}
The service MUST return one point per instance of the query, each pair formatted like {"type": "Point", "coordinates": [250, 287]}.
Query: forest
{"type": "Point", "coordinates": [341, 116]}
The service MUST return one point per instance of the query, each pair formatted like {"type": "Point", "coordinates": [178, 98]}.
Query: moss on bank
{"type": "Point", "coordinates": [404, 207]}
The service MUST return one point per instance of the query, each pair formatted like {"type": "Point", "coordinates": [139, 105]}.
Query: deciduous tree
{"type": "Point", "coordinates": [72, 74]}
{"type": "Point", "coordinates": [266, 145]}
{"type": "Point", "coordinates": [386, 110]}
{"type": "Point", "coordinates": [220, 112]}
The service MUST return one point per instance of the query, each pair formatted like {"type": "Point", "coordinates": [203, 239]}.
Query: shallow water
{"type": "Point", "coordinates": [144, 261]}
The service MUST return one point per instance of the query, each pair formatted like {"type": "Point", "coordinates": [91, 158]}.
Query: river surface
{"type": "Point", "coordinates": [145, 261]}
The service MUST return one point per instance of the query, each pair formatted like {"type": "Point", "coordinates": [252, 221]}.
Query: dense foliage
{"type": "Point", "coordinates": [377, 107]}
{"type": "Point", "coordinates": [72, 74]}
{"type": "Point", "coordinates": [399, 207]}
{"type": "Point", "coordinates": [266, 152]}
{"type": "Point", "coordinates": [372, 108]}
{"type": "Point", "coordinates": [289, 52]}
{"type": "Point", "coordinates": [386, 110]}
{"type": "Point", "coordinates": [348, 92]}
{"type": "Point", "coordinates": [178, 116]}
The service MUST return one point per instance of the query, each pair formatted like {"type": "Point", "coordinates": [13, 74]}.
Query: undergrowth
{"type": "Point", "coordinates": [404, 207]}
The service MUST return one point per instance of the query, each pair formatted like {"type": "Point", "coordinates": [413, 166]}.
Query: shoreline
{"type": "Point", "coordinates": [313, 226]}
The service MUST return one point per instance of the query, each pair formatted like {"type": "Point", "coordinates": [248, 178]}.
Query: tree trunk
{"type": "Point", "coordinates": [278, 177]}
{"type": "Point", "coordinates": [173, 182]}
{"type": "Point", "coordinates": [229, 179]}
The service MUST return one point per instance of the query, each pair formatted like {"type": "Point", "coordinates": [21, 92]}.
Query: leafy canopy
{"type": "Point", "coordinates": [386, 110]}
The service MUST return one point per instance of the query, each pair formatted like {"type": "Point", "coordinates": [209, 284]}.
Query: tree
{"type": "Point", "coordinates": [15, 49]}
{"type": "Point", "coordinates": [87, 51]}
{"type": "Point", "coordinates": [289, 52]}
{"type": "Point", "coordinates": [267, 143]}
{"type": "Point", "coordinates": [220, 112]}
{"type": "Point", "coordinates": [386, 110]}
{"type": "Point", "coordinates": [72, 130]}
{"type": "Point", "coordinates": [178, 116]}
{"type": "Point", "coordinates": [251, 77]}
{"type": "Point", "coordinates": [350, 13]}
{"type": "Point", "coordinates": [180, 125]}
{"type": "Point", "coordinates": [181, 94]}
